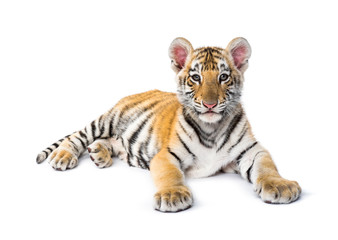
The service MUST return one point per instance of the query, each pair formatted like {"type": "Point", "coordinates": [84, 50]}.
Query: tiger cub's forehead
{"type": "Point", "coordinates": [209, 59]}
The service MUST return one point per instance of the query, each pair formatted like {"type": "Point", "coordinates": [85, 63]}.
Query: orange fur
{"type": "Point", "coordinates": [198, 131]}
{"type": "Point", "coordinates": [165, 173]}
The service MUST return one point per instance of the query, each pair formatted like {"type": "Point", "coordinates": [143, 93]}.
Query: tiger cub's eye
{"type": "Point", "coordinates": [196, 77]}
{"type": "Point", "coordinates": [223, 77]}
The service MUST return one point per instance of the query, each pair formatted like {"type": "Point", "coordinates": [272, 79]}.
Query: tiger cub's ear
{"type": "Point", "coordinates": [240, 51]}
{"type": "Point", "coordinates": [179, 50]}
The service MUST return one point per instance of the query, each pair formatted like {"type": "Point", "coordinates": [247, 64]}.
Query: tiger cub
{"type": "Point", "coordinates": [197, 132]}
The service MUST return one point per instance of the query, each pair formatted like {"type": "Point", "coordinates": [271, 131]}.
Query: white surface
{"type": "Point", "coordinates": [63, 63]}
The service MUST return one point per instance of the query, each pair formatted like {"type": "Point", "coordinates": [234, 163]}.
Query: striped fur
{"type": "Point", "coordinates": [197, 132]}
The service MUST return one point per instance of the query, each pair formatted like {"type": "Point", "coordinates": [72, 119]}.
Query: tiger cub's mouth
{"type": "Point", "coordinates": [210, 116]}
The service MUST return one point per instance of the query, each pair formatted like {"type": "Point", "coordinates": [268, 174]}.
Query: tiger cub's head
{"type": "Point", "coordinates": [210, 79]}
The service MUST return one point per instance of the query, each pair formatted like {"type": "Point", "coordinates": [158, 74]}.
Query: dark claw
{"type": "Point", "coordinates": [89, 150]}
{"type": "Point", "coordinates": [91, 158]}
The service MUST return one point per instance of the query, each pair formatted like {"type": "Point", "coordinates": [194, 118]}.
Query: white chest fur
{"type": "Point", "coordinates": [207, 162]}
{"type": "Point", "coordinates": [211, 153]}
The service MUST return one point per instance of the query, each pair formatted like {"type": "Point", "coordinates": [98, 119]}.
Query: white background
{"type": "Point", "coordinates": [63, 63]}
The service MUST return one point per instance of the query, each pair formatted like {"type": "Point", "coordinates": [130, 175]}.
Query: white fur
{"type": "Point", "coordinates": [210, 117]}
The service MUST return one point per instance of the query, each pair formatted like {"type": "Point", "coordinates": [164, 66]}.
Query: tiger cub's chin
{"type": "Point", "coordinates": [210, 117]}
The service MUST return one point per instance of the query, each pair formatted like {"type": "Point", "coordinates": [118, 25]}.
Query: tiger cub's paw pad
{"type": "Point", "coordinates": [173, 199]}
{"type": "Point", "coordinates": [100, 155]}
{"type": "Point", "coordinates": [62, 159]}
{"type": "Point", "coordinates": [278, 190]}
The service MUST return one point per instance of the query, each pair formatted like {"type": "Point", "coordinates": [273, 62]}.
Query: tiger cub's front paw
{"type": "Point", "coordinates": [173, 199]}
{"type": "Point", "coordinates": [62, 159]}
{"type": "Point", "coordinates": [277, 190]}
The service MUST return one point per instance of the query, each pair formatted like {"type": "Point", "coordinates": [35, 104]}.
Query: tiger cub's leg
{"type": "Point", "coordinates": [101, 153]}
{"type": "Point", "coordinates": [172, 195]}
{"type": "Point", "coordinates": [269, 185]}
{"type": "Point", "coordinates": [255, 164]}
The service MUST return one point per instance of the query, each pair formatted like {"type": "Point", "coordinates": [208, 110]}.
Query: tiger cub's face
{"type": "Point", "coordinates": [210, 79]}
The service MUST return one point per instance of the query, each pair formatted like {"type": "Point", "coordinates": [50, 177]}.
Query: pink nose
{"type": "Point", "coordinates": [208, 105]}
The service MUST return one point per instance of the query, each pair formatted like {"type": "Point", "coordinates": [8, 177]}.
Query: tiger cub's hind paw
{"type": "Point", "coordinates": [100, 153]}
{"type": "Point", "coordinates": [62, 159]}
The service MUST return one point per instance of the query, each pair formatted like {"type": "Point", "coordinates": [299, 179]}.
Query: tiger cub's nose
{"type": "Point", "coordinates": [209, 105]}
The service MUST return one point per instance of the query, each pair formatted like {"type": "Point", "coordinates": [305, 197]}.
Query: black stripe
{"type": "Point", "coordinates": [248, 172]}
{"type": "Point", "coordinates": [143, 148]}
{"type": "Point", "coordinates": [231, 128]}
{"type": "Point", "coordinates": [55, 145]}
{"type": "Point", "coordinates": [84, 136]}
{"type": "Point", "coordinates": [146, 143]}
{"type": "Point", "coordinates": [175, 156]}
{"type": "Point", "coordinates": [142, 163]}
{"type": "Point", "coordinates": [61, 140]}
{"type": "Point", "coordinates": [238, 158]}
{"type": "Point", "coordinates": [111, 124]}
{"type": "Point", "coordinates": [139, 163]}
{"type": "Point", "coordinates": [199, 57]}
{"type": "Point", "coordinates": [128, 155]}
{"type": "Point", "coordinates": [185, 146]}
{"type": "Point", "coordinates": [133, 139]}
{"type": "Point", "coordinates": [218, 57]}
{"type": "Point", "coordinates": [141, 159]}
{"type": "Point", "coordinates": [184, 130]}
{"type": "Point", "coordinates": [74, 145]}
{"type": "Point", "coordinates": [93, 129]}
{"type": "Point", "coordinates": [101, 126]}
{"type": "Point", "coordinates": [239, 140]}
{"type": "Point", "coordinates": [46, 153]}
{"type": "Point", "coordinates": [128, 161]}
{"type": "Point", "coordinates": [185, 80]}
{"type": "Point", "coordinates": [188, 93]}
{"type": "Point", "coordinates": [195, 125]}
{"type": "Point", "coordinates": [99, 121]}
{"type": "Point", "coordinates": [202, 136]}
{"type": "Point", "coordinates": [49, 149]}
{"type": "Point", "coordinates": [82, 143]}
